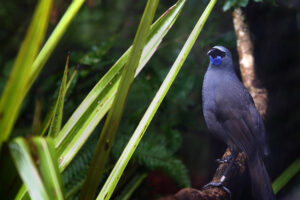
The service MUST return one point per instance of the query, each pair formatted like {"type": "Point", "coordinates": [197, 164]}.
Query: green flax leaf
{"type": "Point", "coordinates": [26, 167]}
{"type": "Point", "coordinates": [14, 91]}
{"type": "Point", "coordinates": [93, 108]}
{"type": "Point", "coordinates": [48, 167]}
{"type": "Point", "coordinates": [46, 123]}
{"type": "Point", "coordinates": [37, 165]}
{"type": "Point", "coordinates": [52, 41]}
{"type": "Point", "coordinates": [286, 176]}
{"type": "Point", "coordinates": [114, 116]}
{"type": "Point", "coordinates": [58, 110]}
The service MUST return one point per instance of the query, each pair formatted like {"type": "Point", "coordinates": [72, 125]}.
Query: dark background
{"type": "Point", "coordinates": [110, 26]}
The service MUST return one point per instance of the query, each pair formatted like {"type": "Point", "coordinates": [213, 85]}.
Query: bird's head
{"type": "Point", "coordinates": [218, 55]}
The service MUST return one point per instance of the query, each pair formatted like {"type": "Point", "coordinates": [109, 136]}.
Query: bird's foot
{"type": "Point", "coordinates": [226, 159]}
{"type": "Point", "coordinates": [218, 184]}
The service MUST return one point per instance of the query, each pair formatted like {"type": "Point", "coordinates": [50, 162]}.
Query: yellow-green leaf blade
{"type": "Point", "coordinates": [46, 122]}
{"type": "Point", "coordinates": [53, 40]}
{"type": "Point", "coordinates": [113, 119]}
{"type": "Point", "coordinates": [58, 110]}
{"type": "Point", "coordinates": [93, 108]}
{"type": "Point", "coordinates": [37, 164]}
{"type": "Point", "coordinates": [26, 167]}
{"type": "Point", "coordinates": [286, 176]}
{"type": "Point", "coordinates": [14, 91]}
{"type": "Point", "coordinates": [48, 166]}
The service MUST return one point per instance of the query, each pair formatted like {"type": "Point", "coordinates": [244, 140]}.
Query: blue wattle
{"type": "Point", "coordinates": [215, 61]}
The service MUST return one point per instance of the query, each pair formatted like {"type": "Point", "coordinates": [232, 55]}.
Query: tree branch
{"type": "Point", "coordinates": [247, 62]}
{"type": "Point", "coordinates": [211, 192]}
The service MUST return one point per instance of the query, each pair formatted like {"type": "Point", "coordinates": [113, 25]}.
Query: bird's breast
{"type": "Point", "coordinates": [220, 90]}
{"type": "Point", "coordinates": [211, 85]}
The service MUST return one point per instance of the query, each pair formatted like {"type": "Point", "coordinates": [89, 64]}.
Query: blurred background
{"type": "Point", "coordinates": [177, 150]}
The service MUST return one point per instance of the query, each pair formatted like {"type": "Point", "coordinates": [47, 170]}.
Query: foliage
{"type": "Point", "coordinates": [140, 130]}
{"type": "Point", "coordinates": [57, 118]}
{"type": "Point", "coordinates": [37, 165]}
{"type": "Point", "coordinates": [156, 152]}
{"type": "Point", "coordinates": [58, 108]}
{"type": "Point", "coordinates": [286, 176]}
{"type": "Point", "coordinates": [96, 38]}
{"type": "Point", "coordinates": [95, 55]}
{"type": "Point", "coordinates": [114, 115]}
{"type": "Point", "coordinates": [15, 89]}
{"type": "Point", "coordinates": [230, 4]}
{"type": "Point", "coordinates": [75, 174]}
{"type": "Point", "coordinates": [95, 105]}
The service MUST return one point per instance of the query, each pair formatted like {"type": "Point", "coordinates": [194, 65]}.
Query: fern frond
{"type": "Point", "coordinates": [156, 152]}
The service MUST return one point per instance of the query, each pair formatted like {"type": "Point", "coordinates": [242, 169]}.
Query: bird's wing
{"type": "Point", "coordinates": [240, 120]}
{"type": "Point", "coordinates": [237, 130]}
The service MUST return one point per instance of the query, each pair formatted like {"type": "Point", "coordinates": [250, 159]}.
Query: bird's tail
{"type": "Point", "coordinates": [261, 184]}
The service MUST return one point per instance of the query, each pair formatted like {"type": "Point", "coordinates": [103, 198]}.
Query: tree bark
{"type": "Point", "coordinates": [212, 192]}
{"type": "Point", "coordinates": [247, 62]}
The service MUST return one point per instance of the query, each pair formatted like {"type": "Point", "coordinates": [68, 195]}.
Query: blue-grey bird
{"type": "Point", "coordinates": [230, 114]}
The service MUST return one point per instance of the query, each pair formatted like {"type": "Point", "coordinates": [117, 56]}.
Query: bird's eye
{"type": "Point", "coordinates": [214, 52]}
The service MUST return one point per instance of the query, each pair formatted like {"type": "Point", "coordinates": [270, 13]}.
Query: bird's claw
{"type": "Point", "coordinates": [226, 159]}
{"type": "Point", "coordinates": [218, 184]}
